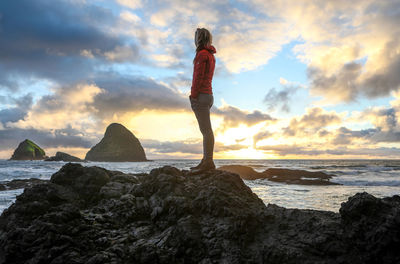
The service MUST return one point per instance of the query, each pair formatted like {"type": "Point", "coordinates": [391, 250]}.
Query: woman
{"type": "Point", "coordinates": [201, 98]}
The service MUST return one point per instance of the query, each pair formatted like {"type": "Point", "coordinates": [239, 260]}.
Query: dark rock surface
{"type": "Point", "coordinates": [245, 172]}
{"type": "Point", "coordinates": [28, 150]}
{"type": "Point", "coordinates": [19, 183]}
{"type": "Point", "coordinates": [62, 156]}
{"type": "Point", "coordinates": [92, 215]}
{"type": "Point", "coordinates": [118, 144]}
{"type": "Point", "coordinates": [288, 176]}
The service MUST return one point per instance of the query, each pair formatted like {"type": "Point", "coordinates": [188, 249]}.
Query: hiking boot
{"type": "Point", "coordinates": [196, 167]}
{"type": "Point", "coordinates": [205, 166]}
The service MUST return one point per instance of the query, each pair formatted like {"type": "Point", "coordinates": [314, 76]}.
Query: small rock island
{"type": "Point", "coordinates": [28, 150]}
{"type": "Point", "coordinates": [288, 176]}
{"type": "Point", "coordinates": [118, 145]}
{"type": "Point", "coordinates": [62, 156]}
{"type": "Point", "coordinates": [93, 215]}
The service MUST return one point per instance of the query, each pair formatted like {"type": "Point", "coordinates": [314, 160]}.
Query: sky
{"type": "Point", "coordinates": [303, 79]}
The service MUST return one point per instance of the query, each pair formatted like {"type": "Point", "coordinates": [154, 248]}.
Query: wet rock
{"type": "Point", "coordinates": [298, 176]}
{"type": "Point", "coordinates": [118, 144]}
{"type": "Point", "coordinates": [372, 227]}
{"type": "Point", "coordinates": [288, 176]}
{"type": "Point", "coordinates": [62, 156]}
{"type": "Point", "coordinates": [92, 215]}
{"type": "Point", "coordinates": [19, 183]}
{"type": "Point", "coordinates": [245, 172]}
{"type": "Point", "coordinates": [28, 150]}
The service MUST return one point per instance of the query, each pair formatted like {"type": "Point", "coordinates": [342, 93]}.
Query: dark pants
{"type": "Point", "coordinates": [201, 108]}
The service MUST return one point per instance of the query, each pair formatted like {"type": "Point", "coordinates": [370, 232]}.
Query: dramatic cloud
{"type": "Point", "coordinates": [18, 112]}
{"type": "Point", "coordinates": [68, 137]}
{"type": "Point", "coordinates": [321, 151]}
{"type": "Point", "coordinates": [70, 67]}
{"type": "Point", "coordinates": [62, 41]}
{"type": "Point", "coordinates": [122, 94]}
{"type": "Point", "coordinates": [68, 106]}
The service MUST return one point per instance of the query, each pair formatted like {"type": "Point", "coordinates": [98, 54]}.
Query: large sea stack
{"type": "Point", "coordinates": [118, 144]}
{"type": "Point", "coordinates": [28, 150]}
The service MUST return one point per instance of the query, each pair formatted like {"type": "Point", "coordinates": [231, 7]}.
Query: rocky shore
{"type": "Point", "coordinates": [92, 215]}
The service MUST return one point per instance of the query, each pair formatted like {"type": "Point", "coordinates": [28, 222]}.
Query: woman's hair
{"type": "Point", "coordinates": [202, 38]}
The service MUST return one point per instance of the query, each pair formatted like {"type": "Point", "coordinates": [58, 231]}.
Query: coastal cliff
{"type": "Point", "coordinates": [93, 215]}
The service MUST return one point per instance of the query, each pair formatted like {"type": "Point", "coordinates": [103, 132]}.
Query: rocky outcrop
{"type": "Point", "coordinates": [19, 183]}
{"type": "Point", "coordinates": [92, 215]}
{"type": "Point", "coordinates": [28, 150]}
{"type": "Point", "coordinates": [245, 172]}
{"type": "Point", "coordinates": [118, 144]}
{"type": "Point", "coordinates": [288, 176]}
{"type": "Point", "coordinates": [62, 156]}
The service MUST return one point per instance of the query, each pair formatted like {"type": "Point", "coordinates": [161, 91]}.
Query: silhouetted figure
{"type": "Point", "coordinates": [201, 98]}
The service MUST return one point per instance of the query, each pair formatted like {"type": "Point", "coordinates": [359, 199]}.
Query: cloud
{"type": "Point", "coordinates": [274, 98]}
{"type": "Point", "coordinates": [345, 136]}
{"type": "Point", "coordinates": [351, 52]}
{"type": "Point", "coordinates": [122, 54]}
{"type": "Point", "coordinates": [19, 111]}
{"type": "Point", "coordinates": [61, 109]}
{"type": "Point", "coordinates": [233, 116]}
{"type": "Point", "coordinates": [260, 136]}
{"type": "Point", "coordinates": [67, 137]}
{"type": "Point", "coordinates": [185, 146]}
{"type": "Point", "coordinates": [63, 41]}
{"type": "Point", "coordinates": [295, 150]}
{"type": "Point", "coordinates": [134, 4]}
{"type": "Point", "coordinates": [339, 87]}
{"type": "Point", "coordinates": [134, 94]}
{"type": "Point", "coordinates": [314, 120]}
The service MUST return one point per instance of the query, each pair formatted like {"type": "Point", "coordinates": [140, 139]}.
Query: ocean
{"type": "Point", "coordinates": [380, 178]}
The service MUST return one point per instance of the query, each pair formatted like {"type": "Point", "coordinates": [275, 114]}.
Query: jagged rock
{"type": "Point", "coordinates": [174, 216]}
{"type": "Point", "coordinates": [288, 176]}
{"type": "Point", "coordinates": [62, 156]}
{"type": "Point", "coordinates": [28, 150]}
{"type": "Point", "coordinates": [118, 144]}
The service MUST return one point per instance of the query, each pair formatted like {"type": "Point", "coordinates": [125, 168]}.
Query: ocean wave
{"type": "Point", "coordinates": [394, 183]}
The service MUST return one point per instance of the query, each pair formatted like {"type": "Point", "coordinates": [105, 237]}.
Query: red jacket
{"type": "Point", "coordinates": [204, 64]}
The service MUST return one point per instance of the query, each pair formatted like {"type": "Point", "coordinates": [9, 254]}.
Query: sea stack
{"type": "Point", "coordinates": [28, 150]}
{"type": "Point", "coordinates": [118, 144]}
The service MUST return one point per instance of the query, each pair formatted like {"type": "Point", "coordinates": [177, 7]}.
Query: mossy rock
{"type": "Point", "coordinates": [28, 150]}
